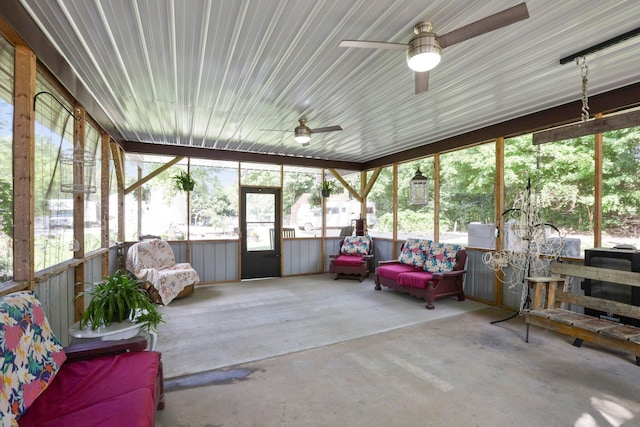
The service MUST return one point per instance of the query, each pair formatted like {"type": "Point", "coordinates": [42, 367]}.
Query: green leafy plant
{"type": "Point", "coordinates": [183, 181]}
{"type": "Point", "coordinates": [326, 188]}
{"type": "Point", "coordinates": [118, 298]}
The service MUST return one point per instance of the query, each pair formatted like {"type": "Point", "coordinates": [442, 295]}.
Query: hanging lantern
{"type": "Point", "coordinates": [419, 189]}
{"type": "Point", "coordinates": [76, 166]}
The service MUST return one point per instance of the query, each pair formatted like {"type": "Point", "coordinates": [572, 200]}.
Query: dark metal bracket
{"type": "Point", "coordinates": [35, 98]}
{"type": "Point", "coordinates": [601, 46]}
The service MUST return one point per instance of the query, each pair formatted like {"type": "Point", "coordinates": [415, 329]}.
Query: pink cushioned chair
{"type": "Point", "coordinates": [354, 259]}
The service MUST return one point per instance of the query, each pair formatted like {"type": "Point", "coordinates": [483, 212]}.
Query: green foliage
{"type": "Point", "coordinates": [326, 186]}
{"type": "Point", "coordinates": [260, 177]}
{"type": "Point", "coordinates": [183, 181]}
{"type": "Point", "coordinates": [295, 185]}
{"type": "Point", "coordinates": [115, 298]}
{"type": "Point", "coordinates": [210, 201]}
{"type": "Point", "coordinates": [315, 199]}
{"type": "Point", "coordinates": [6, 207]}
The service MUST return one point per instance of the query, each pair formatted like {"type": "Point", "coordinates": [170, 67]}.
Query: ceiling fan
{"type": "Point", "coordinates": [302, 133]}
{"type": "Point", "coordinates": [425, 47]}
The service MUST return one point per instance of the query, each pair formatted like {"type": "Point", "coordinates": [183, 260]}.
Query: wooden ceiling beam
{"type": "Point", "coordinates": [237, 156]}
{"type": "Point", "coordinates": [588, 127]}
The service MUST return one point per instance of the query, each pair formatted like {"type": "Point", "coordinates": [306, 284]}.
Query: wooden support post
{"type": "Point", "coordinates": [363, 203]}
{"type": "Point", "coordinates": [498, 288]}
{"type": "Point", "coordinates": [118, 162]}
{"type": "Point", "coordinates": [394, 252]}
{"type": "Point", "coordinates": [597, 189]}
{"type": "Point", "coordinates": [188, 251]}
{"type": "Point", "coordinates": [78, 214]}
{"type": "Point", "coordinates": [24, 119]}
{"type": "Point", "coordinates": [436, 198]}
{"type": "Point", "coordinates": [104, 200]}
{"type": "Point", "coordinates": [139, 207]}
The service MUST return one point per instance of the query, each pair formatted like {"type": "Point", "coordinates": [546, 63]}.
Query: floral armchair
{"type": "Point", "coordinates": [354, 259]}
{"type": "Point", "coordinates": [154, 262]}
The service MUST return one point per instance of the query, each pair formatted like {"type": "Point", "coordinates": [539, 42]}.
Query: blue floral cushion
{"type": "Point", "coordinates": [30, 354]}
{"type": "Point", "coordinates": [356, 245]}
{"type": "Point", "coordinates": [442, 257]}
{"type": "Point", "coordinates": [414, 252]}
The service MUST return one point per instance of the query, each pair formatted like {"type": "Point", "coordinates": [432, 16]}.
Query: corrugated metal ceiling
{"type": "Point", "coordinates": [215, 73]}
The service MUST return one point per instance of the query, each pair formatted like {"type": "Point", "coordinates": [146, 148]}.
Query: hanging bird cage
{"type": "Point", "coordinates": [76, 167]}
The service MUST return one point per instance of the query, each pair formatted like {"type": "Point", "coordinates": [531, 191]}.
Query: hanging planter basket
{"type": "Point", "coordinates": [325, 189]}
{"type": "Point", "coordinates": [183, 181]}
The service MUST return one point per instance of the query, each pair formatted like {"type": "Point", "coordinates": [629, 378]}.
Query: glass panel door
{"type": "Point", "coordinates": [260, 232]}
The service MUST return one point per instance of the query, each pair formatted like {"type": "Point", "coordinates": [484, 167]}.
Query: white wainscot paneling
{"type": "Point", "coordinates": [301, 256]}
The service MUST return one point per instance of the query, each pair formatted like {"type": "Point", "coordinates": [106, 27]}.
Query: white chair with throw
{"type": "Point", "coordinates": [154, 261]}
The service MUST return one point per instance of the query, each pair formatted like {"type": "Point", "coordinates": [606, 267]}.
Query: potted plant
{"type": "Point", "coordinates": [326, 189]}
{"type": "Point", "coordinates": [183, 181]}
{"type": "Point", "coordinates": [119, 298]}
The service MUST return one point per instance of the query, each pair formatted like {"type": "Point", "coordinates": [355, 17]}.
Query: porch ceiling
{"type": "Point", "coordinates": [215, 74]}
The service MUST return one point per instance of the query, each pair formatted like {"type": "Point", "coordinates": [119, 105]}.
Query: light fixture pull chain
{"type": "Point", "coordinates": [584, 71]}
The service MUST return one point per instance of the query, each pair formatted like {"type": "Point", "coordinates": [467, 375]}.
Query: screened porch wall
{"type": "Point", "coordinates": [56, 293]}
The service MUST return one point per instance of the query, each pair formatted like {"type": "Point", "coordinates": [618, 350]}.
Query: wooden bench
{"type": "Point", "coordinates": [555, 314]}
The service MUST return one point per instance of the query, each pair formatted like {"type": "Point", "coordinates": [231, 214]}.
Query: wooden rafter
{"type": "Point", "coordinates": [359, 197]}
{"type": "Point", "coordinates": [346, 185]}
{"type": "Point", "coordinates": [153, 174]}
{"type": "Point", "coordinates": [372, 180]}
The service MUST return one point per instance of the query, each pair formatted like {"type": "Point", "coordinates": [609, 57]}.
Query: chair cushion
{"type": "Point", "coordinates": [442, 257]}
{"type": "Point", "coordinates": [392, 270]}
{"type": "Point", "coordinates": [414, 252]}
{"type": "Point", "coordinates": [105, 391]}
{"type": "Point", "coordinates": [31, 355]}
{"type": "Point", "coordinates": [414, 279]}
{"type": "Point", "coordinates": [348, 260]}
{"type": "Point", "coordinates": [356, 245]}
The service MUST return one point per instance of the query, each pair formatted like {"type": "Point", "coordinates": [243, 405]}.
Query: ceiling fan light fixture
{"type": "Point", "coordinates": [424, 52]}
{"type": "Point", "coordinates": [302, 135]}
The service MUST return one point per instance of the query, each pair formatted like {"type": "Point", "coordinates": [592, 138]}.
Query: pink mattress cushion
{"type": "Point", "coordinates": [348, 261]}
{"type": "Point", "coordinates": [414, 279]}
{"type": "Point", "coordinates": [100, 392]}
{"type": "Point", "coordinates": [391, 271]}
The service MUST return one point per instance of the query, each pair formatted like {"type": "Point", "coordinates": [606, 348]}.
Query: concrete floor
{"type": "Point", "coordinates": [455, 371]}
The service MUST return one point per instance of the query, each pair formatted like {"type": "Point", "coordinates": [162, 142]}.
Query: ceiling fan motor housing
{"type": "Point", "coordinates": [424, 50]}
{"type": "Point", "coordinates": [302, 134]}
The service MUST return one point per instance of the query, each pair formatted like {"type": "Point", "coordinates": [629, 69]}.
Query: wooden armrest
{"type": "Point", "coordinates": [440, 276]}
{"type": "Point", "coordinates": [389, 261]}
{"type": "Point", "coordinates": [93, 349]}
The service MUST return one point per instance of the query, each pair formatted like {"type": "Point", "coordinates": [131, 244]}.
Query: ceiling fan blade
{"type": "Point", "coordinates": [373, 45]}
{"type": "Point", "coordinates": [326, 129]}
{"type": "Point", "coordinates": [422, 81]}
{"type": "Point", "coordinates": [485, 25]}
